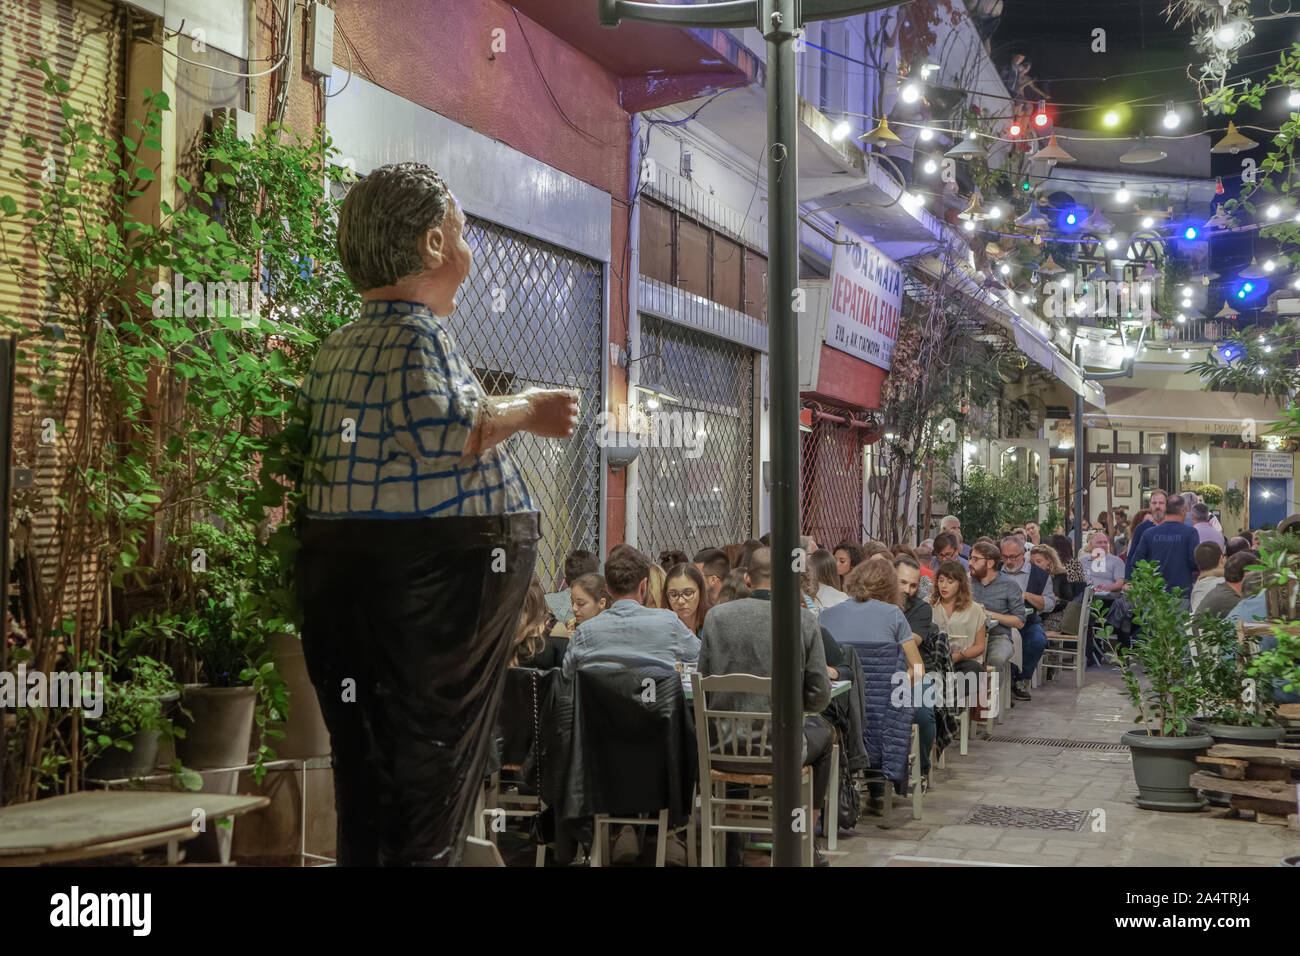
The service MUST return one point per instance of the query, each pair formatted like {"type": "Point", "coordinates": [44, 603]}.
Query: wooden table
{"type": "Point", "coordinates": [81, 826]}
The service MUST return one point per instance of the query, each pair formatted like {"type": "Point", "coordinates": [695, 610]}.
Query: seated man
{"type": "Point", "coordinates": [737, 640]}
{"type": "Point", "coordinates": [715, 567]}
{"type": "Point", "coordinates": [1003, 601]}
{"type": "Point", "coordinates": [1227, 594]}
{"type": "Point", "coordinates": [947, 547]}
{"type": "Point", "coordinates": [1253, 605]}
{"type": "Point", "coordinates": [1210, 561]}
{"type": "Point", "coordinates": [920, 618]}
{"type": "Point", "coordinates": [1036, 587]}
{"type": "Point", "coordinates": [576, 564]}
{"type": "Point", "coordinates": [629, 632]}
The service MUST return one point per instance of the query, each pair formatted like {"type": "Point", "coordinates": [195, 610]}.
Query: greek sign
{"type": "Point", "coordinates": [866, 300]}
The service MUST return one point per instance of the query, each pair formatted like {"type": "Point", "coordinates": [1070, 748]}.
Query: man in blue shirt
{"type": "Point", "coordinates": [1172, 545]}
{"type": "Point", "coordinates": [1157, 506]}
{"type": "Point", "coordinates": [630, 633]}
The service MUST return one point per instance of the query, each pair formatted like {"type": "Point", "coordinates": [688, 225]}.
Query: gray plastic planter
{"type": "Point", "coordinates": [1162, 767]}
{"type": "Point", "coordinates": [218, 734]}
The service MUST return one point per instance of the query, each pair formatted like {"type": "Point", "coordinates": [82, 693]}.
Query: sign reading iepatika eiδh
{"type": "Point", "coordinates": [866, 300]}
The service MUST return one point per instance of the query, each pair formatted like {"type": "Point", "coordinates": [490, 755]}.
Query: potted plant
{"type": "Point", "coordinates": [1212, 494]}
{"type": "Point", "coordinates": [1232, 710]}
{"type": "Point", "coordinates": [1234, 499]}
{"type": "Point", "coordinates": [123, 741]}
{"type": "Point", "coordinates": [1166, 694]}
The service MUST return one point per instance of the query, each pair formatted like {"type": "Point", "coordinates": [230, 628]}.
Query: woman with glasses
{"type": "Point", "coordinates": [685, 594]}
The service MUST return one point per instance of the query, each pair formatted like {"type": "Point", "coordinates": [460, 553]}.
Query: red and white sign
{"type": "Point", "coordinates": [866, 299]}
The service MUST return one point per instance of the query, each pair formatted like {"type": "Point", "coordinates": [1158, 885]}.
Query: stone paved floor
{"type": "Point", "coordinates": [1051, 777]}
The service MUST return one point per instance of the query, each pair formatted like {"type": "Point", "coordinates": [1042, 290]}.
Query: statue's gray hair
{"type": "Point", "coordinates": [383, 221]}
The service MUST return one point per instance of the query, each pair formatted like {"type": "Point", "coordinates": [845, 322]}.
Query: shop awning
{"type": "Point", "coordinates": [1037, 347]}
{"type": "Point", "coordinates": [1184, 410]}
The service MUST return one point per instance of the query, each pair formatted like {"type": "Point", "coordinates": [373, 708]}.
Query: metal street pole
{"type": "Point", "coordinates": [777, 21]}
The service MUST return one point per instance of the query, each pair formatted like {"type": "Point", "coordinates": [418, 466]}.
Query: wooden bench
{"type": "Point", "coordinates": [96, 823]}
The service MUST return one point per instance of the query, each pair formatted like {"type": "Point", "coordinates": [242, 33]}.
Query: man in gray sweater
{"type": "Point", "coordinates": [737, 640]}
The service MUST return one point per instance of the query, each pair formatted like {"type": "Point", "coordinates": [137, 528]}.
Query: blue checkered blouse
{"type": "Point", "coordinates": [391, 404]}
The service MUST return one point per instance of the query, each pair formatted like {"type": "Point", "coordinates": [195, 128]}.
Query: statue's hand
{"type": "Point", "coordinates": [554, 411]}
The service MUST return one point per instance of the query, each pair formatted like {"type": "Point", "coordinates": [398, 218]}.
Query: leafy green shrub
{"type": "Point", "coordinates": [133, 705]}
{"type": "Point", "coordinates": [1169, 690]}
{"type": "Point", "coordinates": [989, 504]}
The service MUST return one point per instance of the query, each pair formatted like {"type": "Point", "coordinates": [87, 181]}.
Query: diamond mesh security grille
{"type": "Point", "coordinates": [690, 503]}
{"type": "Point", "coordinates": [530, 314]}
{"type": "Point", "coordinates": [831, 485]}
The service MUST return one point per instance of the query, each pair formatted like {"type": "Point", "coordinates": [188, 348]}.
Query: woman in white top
{"type": "Point", "coordinates": [820, 580]}
{"type": "Point", "coordinates": [957, 614]}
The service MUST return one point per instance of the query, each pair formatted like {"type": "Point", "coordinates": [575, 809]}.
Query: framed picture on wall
{"type": "Point", "coordinates": [1123, 486]}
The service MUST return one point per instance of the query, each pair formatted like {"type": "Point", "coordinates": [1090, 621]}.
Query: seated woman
{"type": "Point", "coordinates": [958, 615]}
{"type": "Point", "coordinates": [686, 595]}
{"type": "Point", "coordinates": [821, 582]}
{"type": "Point", "coordinates": [1065, 589]}
{"type": "Point", "coordinates": [590, 597]}
{"type": "Point", "coordinates": [734, 588]}
{"type": "Point", "coordinates": [537, 643]}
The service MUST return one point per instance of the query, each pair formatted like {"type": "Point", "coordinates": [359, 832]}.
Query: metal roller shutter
{"type": "Point", "coordinates": [691, 503]}
{"type": "Point", "coordinates": [83, 40]}
{"type": "Point", "coordinates": [531, 314]}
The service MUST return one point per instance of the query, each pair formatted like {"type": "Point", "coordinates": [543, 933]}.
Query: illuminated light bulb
{"type": "Point", "coordinates": [1293, 99]}
{"type": "Point", "coordinates": [1186, 354]}
{"type": "Point", "coordinates": [1190, 233]}
{"type": "Point", "coordinates": [1004, 269]}
{"type": "Point", "coordinates": [995, 212]}
{"type": "Point", "coordinates": [1181, 318]}
{"type": "Point", "coordinates": [1122, 194]}
{"type": "Point", "coordinates": [1269, 265]}
{"type": "Point", "coordinates": [931, 166]}
{"type": "Point", "coordinates": [1171, 117]}
{"type": "Point", "coordinates": [1226, 35]}
{"type": "Point", "coordinates": [1066, 281]}
{"type": "Point", "coordinates": [1024, 300]}
{"type": "Point", "coordinates": [911, 92]}
{"type": "Point", "coordinates": [1111, 245]}
{"type": "Point", "coordinates": [1187, 290]}
{"type": "Point", "coordinates": [841, 130]}
{"type": "Point", "coordinates": [1072, 219]}
{"type": "Point", "coordinates": [1187, 303]}
{"type": "Point", "coordinates": [1014, 130]}
{"type": "Point", "coordinates": [927, 134]}
{"type": "Point", "coordinates": [1273, 211]}
{"type": "Point", "coordinates": [652, 403]}
{"type": "Point", "coordinates": [1111, 119]}
{"type": "Point", "coordinates": [969, 225]}
{"type": "Point", "coordinates": [1147, 222]}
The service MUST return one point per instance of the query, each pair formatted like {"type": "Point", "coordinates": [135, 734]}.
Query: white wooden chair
{"type": "Point", "coordinates": [1069, 652]}
{"type": "Point", "coordinates": [735, 747]}
{"type": "Point", "coordinates": [603, 821]}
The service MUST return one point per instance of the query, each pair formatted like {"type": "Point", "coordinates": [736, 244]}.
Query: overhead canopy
{"type": "Point", "coordinates": [1037, 347]}
{"type": "Point", "coordinates": [1184, 410]}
